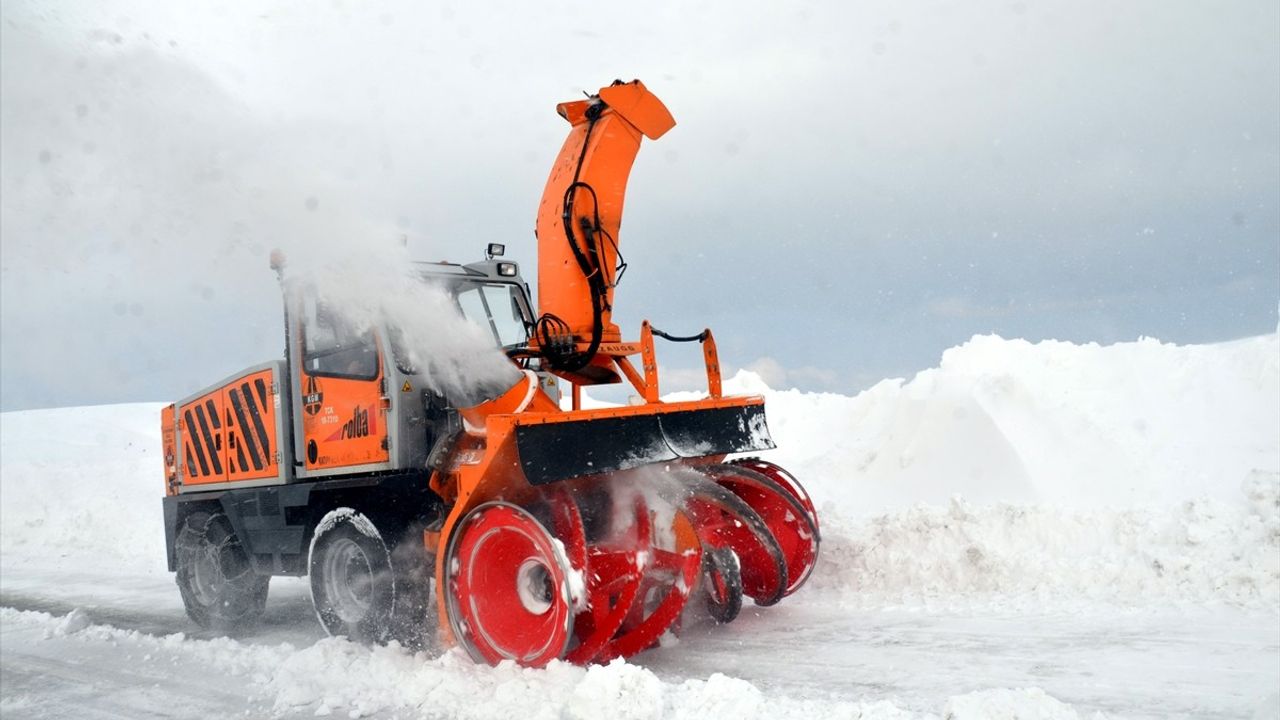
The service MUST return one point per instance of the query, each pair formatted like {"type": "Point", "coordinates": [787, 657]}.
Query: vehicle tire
{"type": "Point", "coordinates": [352, 584]}
{"type": "Point", "coordinates": [219, 588]}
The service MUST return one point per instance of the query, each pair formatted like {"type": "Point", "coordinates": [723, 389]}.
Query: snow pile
{"type": "Point", "coordinates": [82, 483]}
{"type": "Point", "coordinates": [1012, 421]}
{"type": "Point", "coordinates": [69, 624]}
{"type": "Point", "coordinates": [1008, 705]}
{"type": "Point", "coordinates": [336, 677]}
{"type": "Point", "coordinates": [1199, 551]}
{"type": "Point", "coordinates": [1139, 470]}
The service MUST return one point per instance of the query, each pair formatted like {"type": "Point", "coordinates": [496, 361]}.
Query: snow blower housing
{"type": "Point", "coordinates": [516, 528]}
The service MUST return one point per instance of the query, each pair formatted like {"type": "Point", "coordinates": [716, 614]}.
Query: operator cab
{"type": "Point", "coordinates": [360, 400]}
{"type": "Point", "coordinates": [490, 294]}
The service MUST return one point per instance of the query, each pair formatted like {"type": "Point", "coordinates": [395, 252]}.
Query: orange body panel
{"type": "Point", "coordinates": [229, 434]}
{"type": "Point", "coordinates": [168, 444]}
{"type": "Point", "coordinates": [203, 439]}
{"type": "Point", "coordinates": [249, 411]}
{"type": "Point", "coordinates": [598, 153]}
{"type": "Point", "coordinates": [343, 421]}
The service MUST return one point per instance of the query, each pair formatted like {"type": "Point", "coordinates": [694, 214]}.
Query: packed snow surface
{"type": "Point", "coordinates": [1015, 477]}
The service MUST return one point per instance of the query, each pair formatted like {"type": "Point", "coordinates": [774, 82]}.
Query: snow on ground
{"type": "Point", "coordinates": [334, 676]}
{"type": "Point", "coordinates": [1028, 530]}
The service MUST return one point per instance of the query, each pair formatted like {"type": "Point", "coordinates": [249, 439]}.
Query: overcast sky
{"type": "Point", "coordinates": [851, 188]}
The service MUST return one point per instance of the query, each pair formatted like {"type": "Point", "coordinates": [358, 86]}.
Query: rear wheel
{"type": "Point", "coordinates": [352, 585]}
{"type": "Point", "coordinates": [219, 587]}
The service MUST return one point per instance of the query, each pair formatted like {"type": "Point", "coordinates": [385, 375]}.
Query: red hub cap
{"type": "Point", "coordinates": [508, 589]}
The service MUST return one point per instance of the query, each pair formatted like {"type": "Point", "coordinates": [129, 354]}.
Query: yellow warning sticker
{"type": "Point", "coordinates": [407, 387]}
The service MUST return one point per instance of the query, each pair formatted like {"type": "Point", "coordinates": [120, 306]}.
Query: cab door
{"type": "Point", "coordinates": [341, 384]}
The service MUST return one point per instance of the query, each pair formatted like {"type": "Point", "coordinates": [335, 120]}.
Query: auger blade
{"type": "Point", "coordinates": [790, 522]}
{"type": "Point", "coordinates": [635, 589]}
{"type": "Point", "coordinates": [723, 520]}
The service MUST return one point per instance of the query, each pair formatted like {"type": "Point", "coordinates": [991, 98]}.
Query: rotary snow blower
{"type": "Point", "coordinates": [575, 534]}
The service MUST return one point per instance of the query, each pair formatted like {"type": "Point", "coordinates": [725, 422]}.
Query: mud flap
{"type": "Point", "coordinates": [555, 451]}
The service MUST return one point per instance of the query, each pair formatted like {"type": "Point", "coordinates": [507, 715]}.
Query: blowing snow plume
{"type": "Point", "coordinates": [138, 192]}
{"type": "Point", "coordinates": [140, 197]}
{"type": "Point", "coordinates": [374, 286]}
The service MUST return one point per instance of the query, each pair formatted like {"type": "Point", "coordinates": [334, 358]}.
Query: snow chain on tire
{"type": "Point", "coordinates": [219, 588]}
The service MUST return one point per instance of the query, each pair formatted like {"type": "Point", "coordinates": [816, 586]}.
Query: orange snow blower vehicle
{"type": "Point", "coordinates": [523, 530]}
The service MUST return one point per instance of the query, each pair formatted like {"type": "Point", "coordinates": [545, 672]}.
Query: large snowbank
{"type": "Point", "coordinates": [1199, 551]}
{"type": "Point", "coordinates": [82, 484]}
{"type": "Point", "coordinates": [1081, 426]}
{"type": "Point", "coordinates": [1139, 470]}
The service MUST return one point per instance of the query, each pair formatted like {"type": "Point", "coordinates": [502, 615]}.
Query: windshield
{"type": "Point", "coordinates": [497, 307]}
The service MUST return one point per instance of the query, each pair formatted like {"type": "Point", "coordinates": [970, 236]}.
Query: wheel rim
{"type": "Point", "coordinates": [206, 575]}
{"type": "Point", "coordinates": [508, 595]}
{"type": "Point", "coordinates": [348, 580]}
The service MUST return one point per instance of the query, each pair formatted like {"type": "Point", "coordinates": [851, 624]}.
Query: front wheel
{"type": "Point", "coordinates": [219, 588]}
{"type": "Point", "coordinates": [352, 585]}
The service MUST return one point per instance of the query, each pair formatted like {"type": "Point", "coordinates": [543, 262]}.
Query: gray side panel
{"type": "Point", "coordinates": [259, 518]}
{"type": "Point", "coordinates": [170, 532]}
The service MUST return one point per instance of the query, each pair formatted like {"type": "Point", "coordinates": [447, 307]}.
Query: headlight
{"type": "Point", "coordinates": [507, 269]}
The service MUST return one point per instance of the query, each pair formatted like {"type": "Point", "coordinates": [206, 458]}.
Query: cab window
{"type": "Point", "coordinates": [496, 307]}
{"type": "Point", "coordinates": [333, 347]}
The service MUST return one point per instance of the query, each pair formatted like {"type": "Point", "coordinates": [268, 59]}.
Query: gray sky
{"type": "Point", "coordinates": [851, 187]}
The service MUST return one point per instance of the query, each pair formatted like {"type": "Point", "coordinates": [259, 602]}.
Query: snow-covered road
{"type": "Point", "coordinates": [1126, 663]}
